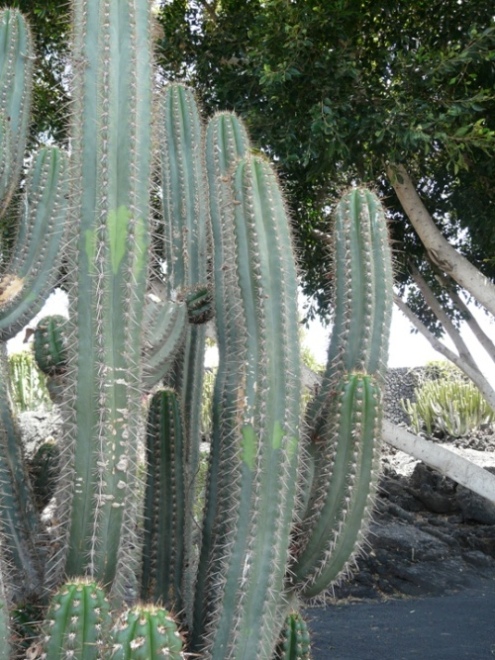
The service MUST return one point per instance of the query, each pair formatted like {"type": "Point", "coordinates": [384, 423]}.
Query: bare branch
{"type": "Point", "coordinates": [443, 317]}
{"type": "Point", "coordinates": [441, 253]}
{"type": "Point", "coordinates": [474, 374]}
{"type": "Point", "coordinates": [442, 459]}
{"type": "Point", "coordinates": [470, 320]}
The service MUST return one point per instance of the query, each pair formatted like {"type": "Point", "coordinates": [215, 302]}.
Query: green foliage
{"type": "Point", "coordinates": [333, 91]}
{"type": "Point", "coordinates": [447, 403]}
{"type": "Point", "coordinates": [28, 383]}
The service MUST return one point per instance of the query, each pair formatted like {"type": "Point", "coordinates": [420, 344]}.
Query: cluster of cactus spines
{"type": "Point", "coordinates": [294, 641]}
{"type": "Point", "coordinates": [77, 623]}
{"type": "Point", "coordinates": [164, 503]}
{"type": "Point", "coordinates": [145, 632]}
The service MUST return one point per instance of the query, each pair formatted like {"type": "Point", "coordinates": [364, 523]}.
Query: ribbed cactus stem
{"type": "Point", "coordinates": [108, 260]}
{"type": "Point", "coordinates": [77, 624]}
{"type": "Point", "coordinates": [50, 344]}
{"type": "Point", "coordinates": [343, 421]}
{"type": "Point", "coordinates": [16, 68]}
{"type": "Point", "coordinates": [31, 272]}
{"type": "Point", "coordinates": [344, 483]}
{"type": "Point", "coordinates": [251, 485]}
{"type": "Point", "coordinates": [184, 196]}
{"type": "Point", "coordinates": [186, 242]}
{"type": "Point", "coordinates": [164, 512]}
{"type": "Point", "coordinates": [146, 632]}
{"type": "Point", "coordinates": [20, 528]}
{"type": "Point", "coordinates": [294, 643]}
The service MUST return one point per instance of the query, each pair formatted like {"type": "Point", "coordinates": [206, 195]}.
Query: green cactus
{"type": "Point", "coordinates": [146, 632]}
{"type": "Point", "coordinates": [343, 421]}
{"type": "Point", "coordinates": [77, 624]}
{"type": "Point", "coordinates": [43, 472]}
{"type": "Point", "coordinates": [275, 526]}
{"type": "Point", "coordinates": [50, 350]}
{"type": "Point", "coordinates": [164, 519]}
{"type": "Point", "coordinates": [294, 643]}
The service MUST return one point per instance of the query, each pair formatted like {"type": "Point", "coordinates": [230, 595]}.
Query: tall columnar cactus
{"type": "Point", "coordinates": [142, 282]}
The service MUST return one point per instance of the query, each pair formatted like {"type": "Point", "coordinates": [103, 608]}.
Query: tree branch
{"type": "Point", "coordinates": [440, 458]}
{"type": "Point", "coordinates": [474, 374]}
{"type": "Point", "coordinates": [470, 320]}
{"type": "Point", "coordinates": [443, 317]}
{"type": "Point", "coordinates": [442, 254]}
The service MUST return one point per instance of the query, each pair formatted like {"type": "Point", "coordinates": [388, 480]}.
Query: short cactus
{"type": "Point", "coordinates": [294, 643]}
{"type": "Point", "coordinates": [145, 632]}
{"type": "Point", "coordinates": [77, 623]}
{"type": "Point", "coordinates": [50, 350]}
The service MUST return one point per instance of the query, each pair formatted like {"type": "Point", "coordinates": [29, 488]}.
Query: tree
{"type": "Point", "coordinates": [334, 90]}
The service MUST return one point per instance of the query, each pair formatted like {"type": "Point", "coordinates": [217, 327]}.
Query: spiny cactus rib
{"type": "Point", "coordinates": [108, 260]}
{"type": "Point", "coordinates": [78, 622]}
{"type": "Point", "coordinates": [186, 238]}
{"type": "Point", "coordinates": [50, 344]}
{"type": "Point", "coordinates": [5, 634]}
{"type": "Point", "coordinates": [165, 328]}
{"type": "Point", "coordinates": [295, 642]}
{"type": "Point", "coordinates": [29, 276]}
{"type": "Point", "coordinates": [346, 467]}
{"type": "Point", "coordinates": [362, 294]}
{"type": "Point", "coordinates": [20, 528]}
{"type": "Point", "coordinates": [164, 541]}
{"type": "Point", "coordinates": [254, 453]}
{"type": "Point", "coordinates": [16, 68]}
{"type": "Point", "coordinates": [184, 196]}
{"type": "Point", "coordinates": [146, 632]}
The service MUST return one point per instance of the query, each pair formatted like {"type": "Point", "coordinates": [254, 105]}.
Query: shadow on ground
{"type": "Point", "coordinates": [449, 627]}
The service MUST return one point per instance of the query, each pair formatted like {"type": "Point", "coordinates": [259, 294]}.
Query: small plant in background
{"type": "Point", "coordinates": [28, 383]}
{"type": "Point", "coordinates": [446, 402]}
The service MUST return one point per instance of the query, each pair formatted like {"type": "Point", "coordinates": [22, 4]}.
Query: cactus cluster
{"type": "Point", "coordinates": [287, 499]}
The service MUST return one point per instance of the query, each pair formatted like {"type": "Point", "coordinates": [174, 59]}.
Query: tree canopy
{"type": "Point", "coordinates": [333, 91]}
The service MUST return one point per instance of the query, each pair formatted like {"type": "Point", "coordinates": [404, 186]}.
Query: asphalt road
{"type": "Point", "coordinates": [450, 627]}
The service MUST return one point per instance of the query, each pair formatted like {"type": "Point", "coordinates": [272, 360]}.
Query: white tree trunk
{"type": "Point", "coordinates": [439, 249]}
{"type": "Point", "coordinates": [445, 461]}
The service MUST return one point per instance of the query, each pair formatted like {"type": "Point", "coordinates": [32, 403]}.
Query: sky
{"type": "Point", "coordinates": [406, 349]}
{"type": "Point", "coordinates": [409, 349]}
